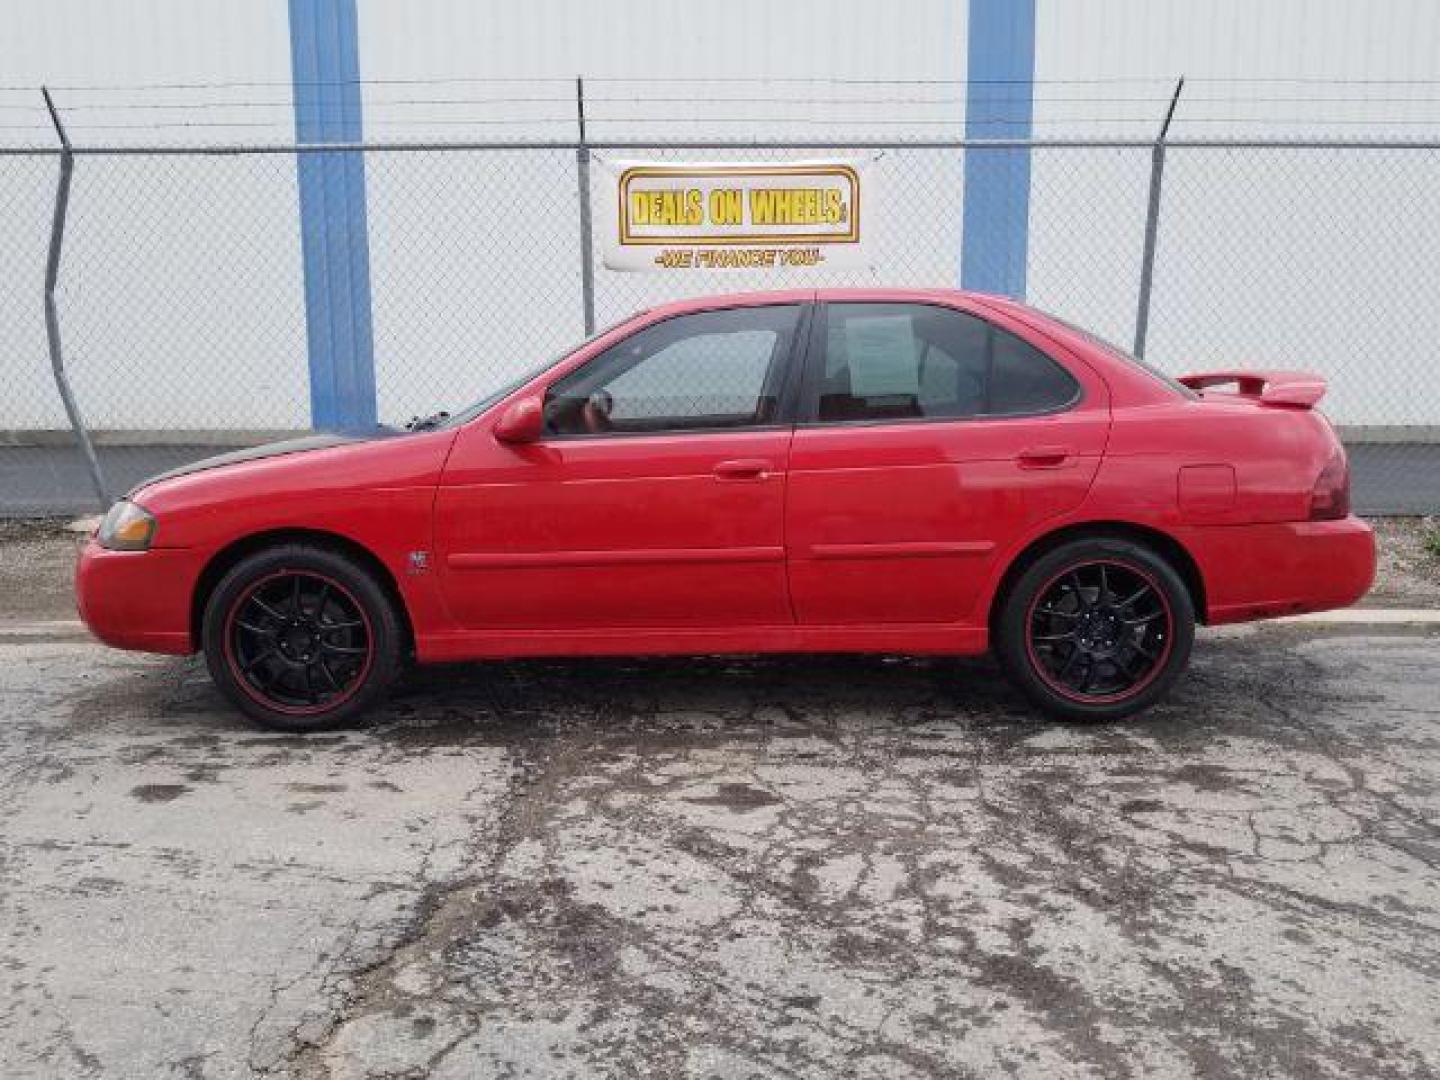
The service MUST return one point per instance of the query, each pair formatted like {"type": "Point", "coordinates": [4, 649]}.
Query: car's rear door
{"type": "Point", "coordinates": [930, 440]}
{"type": "Point", "coordinates": [655, 498]}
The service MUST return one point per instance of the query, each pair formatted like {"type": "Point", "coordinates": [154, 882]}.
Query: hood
{"type": "Point", "coordinates": [323, 441]}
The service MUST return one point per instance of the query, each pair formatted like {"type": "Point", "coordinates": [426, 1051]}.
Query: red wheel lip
{"type": "Point", "coordinates": [1130, 692]}
{"type": "Point", "coordinates": [296, 710]}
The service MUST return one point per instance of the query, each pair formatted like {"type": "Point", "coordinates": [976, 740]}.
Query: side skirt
{"type": "Point", "coordinates": [918, 638]}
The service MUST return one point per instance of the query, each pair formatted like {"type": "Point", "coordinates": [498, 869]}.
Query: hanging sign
{"type": "Point", "coordinates": [668, 216]}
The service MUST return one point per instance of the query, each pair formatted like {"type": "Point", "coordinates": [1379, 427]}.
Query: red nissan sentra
{"type": "Point", "coordinates": [856, 471]}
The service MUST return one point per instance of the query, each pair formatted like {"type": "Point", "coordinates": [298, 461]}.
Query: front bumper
{"type": "Point", "coordinates": [138, 599]}
{"type": "Point", "coordinates": [1287, 568]}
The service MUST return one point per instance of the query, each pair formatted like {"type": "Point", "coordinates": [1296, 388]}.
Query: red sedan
{"type": "Point", "coordinates": [864, 471]}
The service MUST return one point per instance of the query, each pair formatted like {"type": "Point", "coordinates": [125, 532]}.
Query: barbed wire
{"type": "Point", "coordinates": [1055, 104]}
{"type": "Point", "coordinates": [588, 79]}
{"type": "Point", "coordinates": [1166, 80]}
{"type": "Point", "coordinates": [852, 122]}
{"type": "Point", "coordinates": [339, 106]}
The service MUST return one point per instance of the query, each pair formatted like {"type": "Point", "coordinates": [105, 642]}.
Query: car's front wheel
{"type": "Point", "coordinates": [1096, 629]}
{"type": "Point", "coordinates": [301, 638]}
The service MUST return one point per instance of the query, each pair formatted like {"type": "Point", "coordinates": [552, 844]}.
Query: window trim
{"type": "Point", "coordinates": [787, 389]}
{"type": "Point", "coordinates": [808, 413]}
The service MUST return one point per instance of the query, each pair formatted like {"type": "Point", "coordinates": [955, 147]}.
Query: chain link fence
{"type": "Point", "coordinates": [181, 291]}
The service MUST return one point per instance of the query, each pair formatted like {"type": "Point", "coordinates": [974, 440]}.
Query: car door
{"type": "Point", "coordinates": [653, 498]}
{"type": "Point", "coordinates": [930, 440]}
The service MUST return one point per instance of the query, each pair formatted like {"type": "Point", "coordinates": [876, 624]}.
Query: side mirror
{"type": "Point", "coordinates": [522, 422]}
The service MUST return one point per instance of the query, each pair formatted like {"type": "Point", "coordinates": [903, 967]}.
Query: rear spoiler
{"type": "Point", "coordinates": [1281, 389]}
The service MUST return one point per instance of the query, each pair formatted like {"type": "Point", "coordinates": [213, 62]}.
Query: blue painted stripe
{"type": "Point", "coordinates": [999, 104]}
{"type": "Point", "coordinates": [325, 67]}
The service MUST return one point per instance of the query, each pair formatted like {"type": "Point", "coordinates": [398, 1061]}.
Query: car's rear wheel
{"type": "Point", "coordinates": [1096, 629]}
{"type": "Point", "coordinates": [301, 638]}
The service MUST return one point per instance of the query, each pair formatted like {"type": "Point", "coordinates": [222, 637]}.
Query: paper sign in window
{"type": "Point", "coordinates": [882, 356]}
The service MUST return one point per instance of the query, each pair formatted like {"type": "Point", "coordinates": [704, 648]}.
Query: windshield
{"type": "Point", "coordinates": [471, 411]}
{"type": "Point", "coordinates": [1121, 354]}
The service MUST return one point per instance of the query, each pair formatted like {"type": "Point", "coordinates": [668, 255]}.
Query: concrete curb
{"type": "Point", "coordinates": [1367, 617]}
{"type": "Point", "coordinates": [49, 630]}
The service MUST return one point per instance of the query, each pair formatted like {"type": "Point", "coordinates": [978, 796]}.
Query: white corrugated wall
{"type": "Point", "coordinates": [1267, 258]}
{"type": "Point", "coordinates": [166, 320]}
{"type": "Point", "coordinates": [182, 294]}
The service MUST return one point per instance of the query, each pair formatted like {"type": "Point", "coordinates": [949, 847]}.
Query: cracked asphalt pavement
{"type": "Point", "coordinates": [794, 867]}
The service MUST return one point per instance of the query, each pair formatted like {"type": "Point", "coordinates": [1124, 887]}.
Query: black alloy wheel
{"type": "Point", "coordinates": [1097, 628]}
{"type": "Point", "coordinates": [301, 638]}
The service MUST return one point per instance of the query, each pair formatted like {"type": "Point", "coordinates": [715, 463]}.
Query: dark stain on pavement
{"type": "Point", "coordinates": [739, 798]}
{"type": "Point", "coordinates": [159, 793]}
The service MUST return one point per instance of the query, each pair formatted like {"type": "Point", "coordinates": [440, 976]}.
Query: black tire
{"type": "Point", "coordinates": [1068, 640]}
{"type": "Point", "coordinates": [301, 638]}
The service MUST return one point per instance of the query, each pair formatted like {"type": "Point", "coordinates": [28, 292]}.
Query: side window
{"type": "Point", "coordinates": [1025, 380]}
{"type": "Point", "coordinates": [713, 369]}
{"type": "Point", "coordinates": [900, 361]}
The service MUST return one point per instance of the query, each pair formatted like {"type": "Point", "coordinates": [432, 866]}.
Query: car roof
{"type": "Point", "coordinates": [883, 294]}
{"type": "Point", "coordinates": [802, 296]}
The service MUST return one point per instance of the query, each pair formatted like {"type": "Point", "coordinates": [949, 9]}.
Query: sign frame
{"type": "Point", "coordinates": [832, 241]}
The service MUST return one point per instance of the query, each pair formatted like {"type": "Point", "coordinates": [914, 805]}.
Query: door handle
{"type": "Point", "coordinates": [743, 469]}
{"type": "Point", "coordinates": [1044, 457]}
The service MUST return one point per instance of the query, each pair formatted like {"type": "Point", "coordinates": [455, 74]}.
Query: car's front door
{"type": "Point", "coordinates": [654, 498]}
{"type": "Point", "coordinates": [930, 440]}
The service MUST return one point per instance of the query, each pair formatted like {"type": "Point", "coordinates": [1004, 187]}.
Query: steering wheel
{"type": "Point", "coordinates": [595, 413]}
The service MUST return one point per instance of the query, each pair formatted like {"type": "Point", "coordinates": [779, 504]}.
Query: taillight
{"type": "Point", "coordinates": [1330, 497]}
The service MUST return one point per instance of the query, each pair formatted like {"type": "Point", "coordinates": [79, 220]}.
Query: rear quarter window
{"type": "Point", "coordinates": [1024, 380]}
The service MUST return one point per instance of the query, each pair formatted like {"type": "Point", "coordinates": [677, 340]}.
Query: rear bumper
{"type": "Point", "coordinates": [1263, 571]}
{"type": "Point", "coordinates": [137, 599]}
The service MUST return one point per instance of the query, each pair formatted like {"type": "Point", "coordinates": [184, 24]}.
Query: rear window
{"type": "Point", "coordinates": [1126, 357]}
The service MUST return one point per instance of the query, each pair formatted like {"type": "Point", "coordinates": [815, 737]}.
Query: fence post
{"type": "Point", "coordinates": [587, 241]}
{"type": "Point", "coordinates": [52, 315]}
{"type": "Point", "coordinates": [1152, 224]}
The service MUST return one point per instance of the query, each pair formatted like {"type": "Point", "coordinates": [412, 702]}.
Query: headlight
{"type": "Point", "coordinates": [126, 527]}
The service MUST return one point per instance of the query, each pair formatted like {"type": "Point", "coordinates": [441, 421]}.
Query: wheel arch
{"type": "Point", "coordinates": [1161, 542]}
{"type": "Point", "coordinates": [229, 556]}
